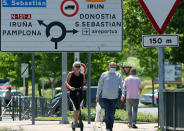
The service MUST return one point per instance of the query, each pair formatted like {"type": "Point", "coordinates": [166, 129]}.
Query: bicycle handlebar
{"type": "Point", "coordinates": [78, 89]}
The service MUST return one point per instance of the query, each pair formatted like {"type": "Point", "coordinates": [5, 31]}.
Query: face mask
{"type": "Point", "coordinates": [112, 70]}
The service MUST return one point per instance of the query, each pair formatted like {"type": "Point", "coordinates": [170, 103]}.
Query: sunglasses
{"type": "Point", "coordinates": [77, 66]}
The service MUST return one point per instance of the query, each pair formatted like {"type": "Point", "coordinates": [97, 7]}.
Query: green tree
{"type": "Point", "coordinates": [137, 24]}
{"type": "Point", "coordinates": [176, 27]}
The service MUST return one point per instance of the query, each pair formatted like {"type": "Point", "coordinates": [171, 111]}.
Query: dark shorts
{"type": "Point", "coordinates": [76, 101]}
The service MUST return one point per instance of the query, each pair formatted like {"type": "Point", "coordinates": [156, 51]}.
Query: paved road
{"type": "Point", "coordinates": [55, 126]}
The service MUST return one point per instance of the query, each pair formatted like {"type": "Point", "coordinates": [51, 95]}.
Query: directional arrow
{"type": "Point", "coordinates": [42, 23]}
{"type": "Point", "coordinates": [74, 31]}
{"type": "Point", "coordinates": [63, 33]}
{"type": "Point", "coordinates": [159, 12]}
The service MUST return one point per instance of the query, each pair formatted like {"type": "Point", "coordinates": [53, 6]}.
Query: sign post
{"type": "Point", "coordinates": [161, 86]}
{"type": "Point", "coordinates": [33, 89]}
{"type": "Point", "coordinates": [159, 13]}
{"type": "Point", "coordinates": [52, 80]}
{"type": "Point", "coordinates": [42, 86]}
{"type": "Point", "coordinates": [24, 73]}
{"type": "Point", "coordinates": [76, 56]}
{"type": "Point", "coordinates": [64, 103]}
{"type": "Point", "coordinates": [89, 88]}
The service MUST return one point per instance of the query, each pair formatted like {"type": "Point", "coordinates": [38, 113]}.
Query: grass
{"type": "Point", "coordinates": [120, 115]}
{"type": "Point", "coordinates": [9, 129]}
{"type": "Point", "coordinates": [49, 118]}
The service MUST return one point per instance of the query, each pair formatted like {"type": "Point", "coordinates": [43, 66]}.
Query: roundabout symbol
{"type": "Point", "coordinates": [69, 8]}
{"type": "Point", "coordinates": [60, 25]}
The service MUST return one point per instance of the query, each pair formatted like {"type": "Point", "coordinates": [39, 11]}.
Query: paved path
{"type": "Point", "coordinates": [55, 126]}
{"type": "Point", "coordinates": [149, 110]}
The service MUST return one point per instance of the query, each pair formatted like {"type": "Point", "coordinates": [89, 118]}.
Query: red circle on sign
{"type": "Point", "coordinates": [85, 70]}
{"type": "Point", "coordinates": [69, 15]}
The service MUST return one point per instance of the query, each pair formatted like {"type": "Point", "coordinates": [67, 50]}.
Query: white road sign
{"type": "Point", "coordinates": [160, 40]}
{"type": "Point", "coordinates": [61, 25]}
{"type": "Point", "coordinates": [24, 70]}
{"type": "Point", "coordinates": [173, 73]}
{"type": "Point", "coordinates": [169, 73]}
{"type": "Point", "coordinates": [159, 12]}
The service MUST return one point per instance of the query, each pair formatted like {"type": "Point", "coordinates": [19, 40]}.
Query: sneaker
{"type": "Point", "coordinates": [108, 130]}
{"type": "Point", "coordinates": [134, 126]}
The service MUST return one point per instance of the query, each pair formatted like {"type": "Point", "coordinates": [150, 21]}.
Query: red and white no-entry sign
{"type": "Point", "coordinates": [69, 8]}
{"type": "Point", "coordinates": [83, 68]}
{"type": "Point", "coordinates": [159, 12]}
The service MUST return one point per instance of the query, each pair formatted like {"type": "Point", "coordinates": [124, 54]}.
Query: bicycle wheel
{"type": "Point", "coordinates": [73, 128]}
{"type": "Point", "coordinates": [81, 126]}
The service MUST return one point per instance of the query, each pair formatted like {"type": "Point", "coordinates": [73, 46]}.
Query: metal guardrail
{"type": "Point", "coordinates": [20, 107]}
{"type": "Point", "coordinates": [174, 110]}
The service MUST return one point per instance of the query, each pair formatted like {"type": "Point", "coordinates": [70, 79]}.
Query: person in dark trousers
{"type": "Point", "coordinates": [133, 87]}
{"type": "Point", "coordinates": [8, 96]}
{"type": "Point", "coordinates": [108, 87]}
{"type": "Point", "coordinates": [76, 79]}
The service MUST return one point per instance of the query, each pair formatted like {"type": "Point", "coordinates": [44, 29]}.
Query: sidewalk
{"type": "Point", "coordinates": [55, 126]}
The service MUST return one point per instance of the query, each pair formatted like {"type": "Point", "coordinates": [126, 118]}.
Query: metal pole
{"type": "Point", "coordinates": [52, 90]}
{"type": "Point", "coordinates": [13, 108]}
{"type": "Point", "coordinates": [20, 109]}
{"type": "Point", "coordinates": [152, 77]}
{"type": "Point", "coordinates": [89, 88]}
{"type": "Point", "coordinates": [33, 89]}
{"type": "Point", "coordinates": [174, 111]}
{"type": "Point", "coordinates": [0, 109]}
{"type": "Point", "coordinates": [77, 56]}
{"type": "Point", "coordinates": [161, 87]}
{"type": "Point", "coordinates": [43, 87]}
{"type": "Point", "coordinates": [36, 107]}
{"type": "Point", "coordinates": [24, 85]}
{"type": "Point", "coordinates": [122, 68]}
{"type": "Point", "coordinates": [64, 103]}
